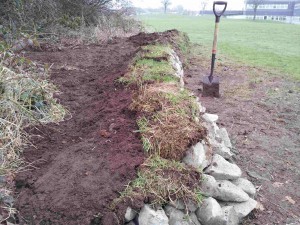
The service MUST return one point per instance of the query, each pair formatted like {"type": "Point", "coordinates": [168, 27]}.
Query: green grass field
{"type": "Point", "coordinates": [270, 45]}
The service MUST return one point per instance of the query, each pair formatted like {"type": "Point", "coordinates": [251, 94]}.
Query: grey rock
{"type": "Point", "coordinates": [222, 190]}
{"type": "Point", "coordinates": [210, 118]}
{"type": "Point", "coordinates": [130, 223]}
{"type": "Point", "coordinates": [244, 208]}
{"type": "Point", "coordinates": [176, 64]}
{"type": "Point", "coordinates": [220, 149]}
{"type": "Point", "coordinates": [202, 109]}
{"type": "Point", "coordinates": [210, 212]}
{"type": "Point", "coordinates": [149, 216]}
{"type": "Point", "coordinates": [194, 219]}
{"type": "Point", "coordinates": [212, 129]}
{"type": "Point", "coordinates": [230, 216]}
{"type": "Point", "coordinates": [177, 217]}
{"type": "Point", "coordinates": [222, 169]}
{"type": "Point", "coordinates": [197, 156]}
{"type": "Point", "coordinates": [188, 205]}
{"type": "Point", "coordinates": [208, 185]}
{"type": "Point", "coordinates": [222, 133]}
{"type": "Point", "coordinates": [227, 191]}
{"type": "Point", "coordinates": [246, 185]}
{"type": "Point", "coordinates": [130, 214]}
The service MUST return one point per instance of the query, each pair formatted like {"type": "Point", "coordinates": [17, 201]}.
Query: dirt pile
{"type": "Point", "coordinates": [76, 167]}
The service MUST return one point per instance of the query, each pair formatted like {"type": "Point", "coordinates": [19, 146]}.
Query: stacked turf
{"type": "Point", "coordinates": [182, 142]}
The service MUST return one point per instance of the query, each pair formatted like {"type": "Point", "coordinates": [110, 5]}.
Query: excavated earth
{"type": "Point", "coordinates": [77, 167]}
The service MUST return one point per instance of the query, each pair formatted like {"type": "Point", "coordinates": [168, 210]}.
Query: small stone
{"type": "Point", "coordinates": [244, 208]}
{"type": "Point", "coordinates": [202, 109]}
{"type": "Point", "coordinates": [149, 216]}
{"type": "Point", "coordinates": [222, 169]}
{"type": "Point", "coordinates": [177, 217]}
{"type": "Point", "coordinates": [222, 133]}
{"type": "Point", "coordinates": [210, 118]}
{"type": "Point", "coordinates": [210, 212]}
{"type": "Point", "coordinates": [194, 219]}
{"type": "Point", "coordinates": [230, 215]}
{"type": "Point", "coordinates": [104, 133]}
{"type": "Point", "coordinates": [197, 156]}
{"type": "Point", "coordinates": [131, 223]}
{"type": "Point", "coordinates": [246, 185]}
{"type": "Point", "coordinates": [189, 205]}
{"type": "Point", "coordinates": [130, 214]}
{"type": "Point", "coordinates": [208, 185]}
{"type": "Point", "coordinates": [220, 149]}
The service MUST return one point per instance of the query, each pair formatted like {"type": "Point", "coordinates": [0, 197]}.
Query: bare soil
{"type": "Point", "coordinates": [82, 163]}
{"type": "Point", "coordinates": [262, 115]}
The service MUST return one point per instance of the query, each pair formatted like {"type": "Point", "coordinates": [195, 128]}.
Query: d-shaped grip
{"type": "Point", "coordinates": [220, 13]}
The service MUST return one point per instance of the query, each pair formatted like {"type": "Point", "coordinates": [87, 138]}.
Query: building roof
{"type": "Point", "coordinates": [279, 1]}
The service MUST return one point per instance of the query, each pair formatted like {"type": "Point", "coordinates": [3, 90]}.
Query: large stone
{"type": "Point", "coordinates": [149, 216]}
{"type": "Point", "coordinates": [177, 217]}
{"type": "Point", "coordinates": [222, 190]}
{"type": "Point", "coordinates": [222, 169]}
{"type": "Point", "coordinates": [230, 215]}
{"type": "Point", "coordinates": [244, 208]}
{"type": "Point", "coordinates": [246, 185]}
{"type": "Point", "coordinates": [222, 133]}
{"type": "Point", "coordinates": [210, 118]}
{"type": "Point", "coordinates": [130, 214]}
{"type": "Point", "coordinates": [220, 149]}
{"type": "Point", "coordinates": [197, 156]}
{"type": "Point", "coordinates": [227, 191]}
{"type": "Point", "coordinates": [210, 212]}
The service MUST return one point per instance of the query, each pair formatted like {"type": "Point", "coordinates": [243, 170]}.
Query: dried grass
{"type": "Point", "coordinates": [170, 122]}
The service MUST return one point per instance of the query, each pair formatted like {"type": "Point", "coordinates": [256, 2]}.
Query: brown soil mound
{"type": "Point", "coordinates": [81, 164]}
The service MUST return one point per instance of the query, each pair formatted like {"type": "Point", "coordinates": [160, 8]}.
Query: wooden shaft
{"type": "Point", "coordinates": [214, 49]}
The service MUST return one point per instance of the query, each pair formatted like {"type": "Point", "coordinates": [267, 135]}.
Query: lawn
{"type": "Point", "coordinates": [271, 45]}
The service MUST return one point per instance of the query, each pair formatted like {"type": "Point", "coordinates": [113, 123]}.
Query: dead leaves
{"type": "Point", "coordinates": [260, 206]}
{"type": "Point", "coordinates": [277, 184]}
{"type": "Point", "coordinates": [290, 200]}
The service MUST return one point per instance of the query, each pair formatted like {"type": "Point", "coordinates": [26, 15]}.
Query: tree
{"type": "Point", "coordinates": [255, 4]}
{"type": "Point", "coordinates": [166, 3]}
{"type": "Point", "coordinates": [203, 5]}
{"type": "Point", "coordinates": [179, 9]}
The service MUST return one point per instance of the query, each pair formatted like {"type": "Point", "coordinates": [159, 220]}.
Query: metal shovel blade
{"type": "Point", "coordinates": [211, 88]}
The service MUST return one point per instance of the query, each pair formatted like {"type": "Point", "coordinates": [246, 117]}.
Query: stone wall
{"type": "Point", "coordinates": [227, 196]}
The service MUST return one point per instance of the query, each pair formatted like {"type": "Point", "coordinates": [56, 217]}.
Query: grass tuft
{"type": "Point", "coordinates": [161, 181]}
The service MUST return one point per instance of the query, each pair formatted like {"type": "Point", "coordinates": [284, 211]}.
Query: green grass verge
{"type": "Point", "coordinates": [270, 45]}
